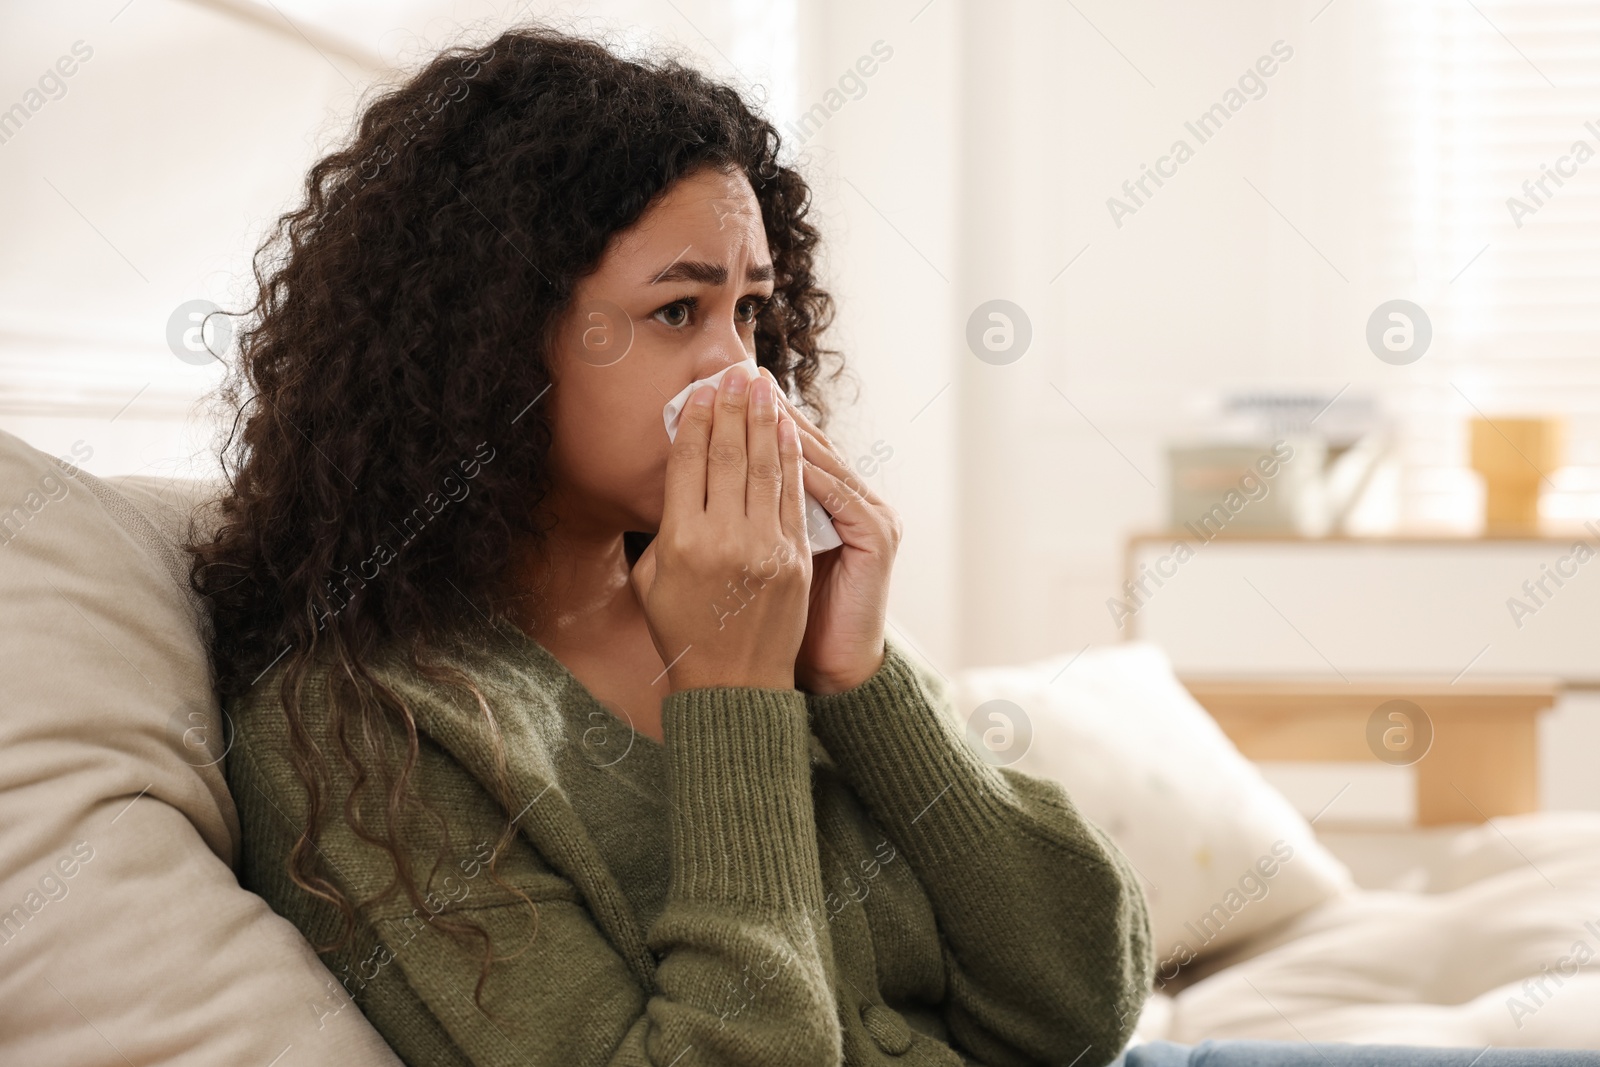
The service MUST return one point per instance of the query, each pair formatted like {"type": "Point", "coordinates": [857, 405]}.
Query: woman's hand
{"type": "Point", "coordinates": [843, 644]}
{"type": "Point", "coordinates": [724, 582]}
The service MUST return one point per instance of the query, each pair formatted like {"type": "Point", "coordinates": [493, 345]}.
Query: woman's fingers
{"type": "Point", "coordinates": [686, 463]}
{"type": "Point", "coordinates": [819, 450]}
{"type": "Point", "coordinates": [764, 484]}
{"type": "Point", "coordinates": [726, 460]}
{"type": "Point", "coordinates": [805, 424]}
{"type": "Point", "coordinates": [845, 505]}
{"type": "Point", "coordinates": [792, 508]}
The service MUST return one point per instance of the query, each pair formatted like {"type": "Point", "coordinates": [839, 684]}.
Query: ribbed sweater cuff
{"type": "Point", "coordinates": [894, 739]}
{"type": "Point", "coordinates": [739, 781]}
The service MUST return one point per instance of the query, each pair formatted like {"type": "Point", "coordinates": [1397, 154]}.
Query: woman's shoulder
{"type": "Point", "coordinates": [471, 725]}
{"type": "Point", "coordinates": [472, 697]}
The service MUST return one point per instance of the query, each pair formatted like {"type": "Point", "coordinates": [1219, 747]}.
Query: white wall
{"type": "Point", "coordinates": [142, 187]}
{"type": "Point", "coordinates": [885, 169]}
{"type": "Point", "coordinates": [1204, 286]}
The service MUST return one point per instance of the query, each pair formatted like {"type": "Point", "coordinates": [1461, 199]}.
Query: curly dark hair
{"type": "Point", "coordinates": [400, 333]}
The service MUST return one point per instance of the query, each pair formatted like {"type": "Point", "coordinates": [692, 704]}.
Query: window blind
{"type": "Point", "coordinates": [1492, 189]}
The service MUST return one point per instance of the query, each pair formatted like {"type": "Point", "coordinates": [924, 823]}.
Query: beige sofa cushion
{"type": "Point", "coordinates": [124, 936]}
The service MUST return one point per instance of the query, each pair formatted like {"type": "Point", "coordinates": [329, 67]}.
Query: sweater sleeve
{"type": "Point", "coordinates": [1046, 936]}
{"type": "Point", "coordinates": [745, 975]}
{"type": "Point", "coordinates": [742, 970]}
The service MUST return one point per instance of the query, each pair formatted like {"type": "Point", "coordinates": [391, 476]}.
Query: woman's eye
{"type": "Point", "coordinates": [674, 315]}
{"type": "Point", "coordinates": [680, 313]}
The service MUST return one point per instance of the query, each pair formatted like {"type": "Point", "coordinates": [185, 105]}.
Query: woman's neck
{"type": "Point", "coordinates": [592, 622]}
{"type": "Point", "coordinates": [577, 589]}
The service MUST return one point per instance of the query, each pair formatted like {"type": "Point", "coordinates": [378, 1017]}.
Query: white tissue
{"type": "Point", "coordinates": [820, 533]}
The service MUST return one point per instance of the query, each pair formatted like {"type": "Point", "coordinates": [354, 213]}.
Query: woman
{"type": "Point", "coordinates": [551, 733]}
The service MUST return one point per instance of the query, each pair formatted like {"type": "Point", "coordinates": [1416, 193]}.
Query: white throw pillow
{"type": "Point", "coordinates": [1221, 853]}
{"type": "Point", "coordinates": [124, 936]}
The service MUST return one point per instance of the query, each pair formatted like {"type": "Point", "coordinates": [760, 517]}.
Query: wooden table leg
{"type": "Point", "coordinates": [1483, 761]}
{"type": "Point", "coordinates": [1480, 766]}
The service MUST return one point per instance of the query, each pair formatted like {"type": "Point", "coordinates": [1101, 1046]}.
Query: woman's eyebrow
{"type": "Point", "coordinates": [694, 270]}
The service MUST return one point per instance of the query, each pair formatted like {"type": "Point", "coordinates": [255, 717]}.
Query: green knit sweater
{"type": "Point", "coordinates": [790, 879]}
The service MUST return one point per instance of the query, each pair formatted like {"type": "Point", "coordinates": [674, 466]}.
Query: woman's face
{"type": "Point", "coordinates": [675, 299]}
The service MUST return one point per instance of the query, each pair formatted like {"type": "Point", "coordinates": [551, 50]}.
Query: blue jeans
{"type": "Point", "coordinates": [1306, 1054]}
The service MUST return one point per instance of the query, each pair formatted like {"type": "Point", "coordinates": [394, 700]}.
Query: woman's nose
{"type": "Point", "coordinates": [721, 344]}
